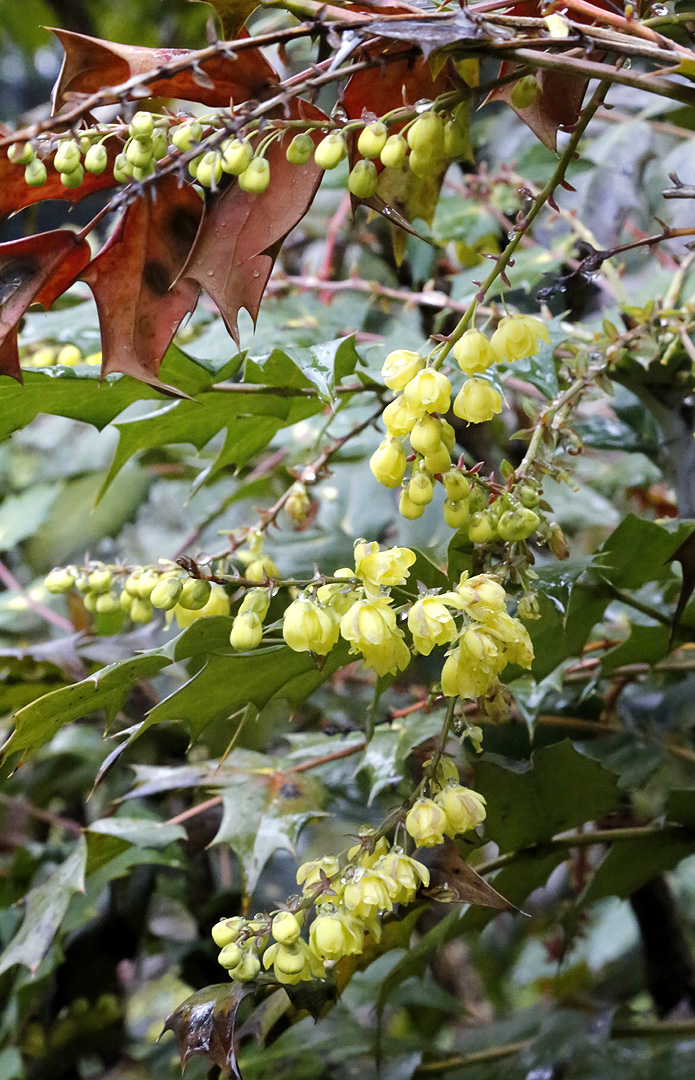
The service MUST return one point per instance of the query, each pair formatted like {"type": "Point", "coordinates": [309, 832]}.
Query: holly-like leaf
{"type": "Point", "coordinates": [91, 63]}
{"type": "Point", "coordinates": [134, 280]}
{"type": "Point", "coordinates": [529, 802]}
{"type": "Point", "coordinates": [204, 1024]}
{"type": "Point", "coordinates": [389, 747]}
{"type": "Point", "coordinates": [558, 104]}
{"type": "Point", "coordinates": [45, 909]}
{"type": "Point", "coordinates": [454, 881]}
{"type": "Point", "coordinates": [35, 269]}
{"type": "Point", "coordinates": [276, 807]}
{"type": "Point", "coordinates": [15, 193]}
{"type": "Point", "coordinates": [241, 234]}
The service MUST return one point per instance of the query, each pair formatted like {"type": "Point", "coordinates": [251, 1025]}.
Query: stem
{"type": "Point", "coordinates": [538, 203]}
{"type": "Point", "coordinates": [10, 581]}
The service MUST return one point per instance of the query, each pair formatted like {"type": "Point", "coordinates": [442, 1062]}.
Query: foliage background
{"type": "Point", "coordinates": [116, 930]}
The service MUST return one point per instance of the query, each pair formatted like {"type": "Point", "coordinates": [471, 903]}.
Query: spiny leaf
{"type": "Point", "coordinates": [242, 233]}
{"type": "Point", "coordinates": [35, 269]}
{"type": "Point", "coordinates": [453, 881]}
{"type": "Point", "coordinates": [557, 106]}
{"type": "Point", "coordinates": [133, 278]}
{"type": "Point", "coordinates": [91, 63]}
{"type": "Point", "coordinates": [232, 14]}
{"type": "Point", "coordinates": [204, 1024]}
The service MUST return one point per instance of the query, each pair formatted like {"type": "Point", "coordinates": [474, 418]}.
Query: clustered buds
{"type": "Point", "coordinates": [417, 414]}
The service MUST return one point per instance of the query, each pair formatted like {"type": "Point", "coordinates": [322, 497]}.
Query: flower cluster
{"type": "Point", "coordinates": [450, 810]}
{"type": "Point", "coordinates": [417, 413]}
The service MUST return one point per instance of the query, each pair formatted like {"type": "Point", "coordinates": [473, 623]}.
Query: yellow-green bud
{"type": "Point", "coordinates": [67, 156]}
{"type": "Point", "coordinates": [262, 568]}
{"type": "Point", "coordinates": [448, 434]}
{"type": "Point", "coordinates": [96, 159]}
{"type": "Point", "coordinates": [247, 631]}
{"type": "Point", "coordinates": [421, 489]}
{"type": "Point", "coordinates": [99, 580]}
{"type": "Point", "coordinates": [421, 165]}
{"type": "Point", "coordinates": [90, 601]}
{"type": "Point", "coordinates": [142, 124]}
{"type": "Point", "coordinates": [457, 142]}
{"type": "Point", "coordinates": [236, 156]}
{"type": "Point", "coordinates": [286, 928]}
{"type": "Point", "coordinates": [388, 463]}
{"type": "Point", "coordinates": [230, 956]}
{"type": "Point", "coordinates": [125, 600]}
{"type": "Point", "coordinates": [438, 462]}
{"type": "Point", "coordinates": [407, 508]}
{"type": "Point", "coordinates": [300, 149]}
{"type": "Point", "coordinates": [72, 179]}
{"type": "Point", "coordinates": [394, 153]}
{"type": "Point", "coordinates": [107, 603]}
{"type": "Point", "coordinates": [146, 583]}
{"type": "Point", "coordinates": [363, 180]}
{"type": "Point", "coordinates": [426, 435]}
{"type": "Point", "coordinates": [160, 143]}
{"type": "Point", "coordinates": [456, 485]}
{"type": "Point", "coordinates": [141, 611]}
{"type": "Point", "coordinates": [519, 524]}
{"type": "Point", "coordinates": [480, 529]}
{"type": "Point", "coordinates": [21, 153]}
{"type": "Point", "coordinates": [426, 135]}
{"type": "Point", "coordinates": [35, 174]}
{"type": "Point", "coordinates": [298, 504]}
{"type": "Point", "coordinates": [166, 593]}
{"type": "Point", "coordinates": [473, 352]}
{"type": "Point", "coordinates": [59, 580]}
{"type": "Point", "coordinates": [209, 172]}
{"type": "Point", "coordinates": [139, 153]}
{"type": "Point", "coordinates": [194, 594]}
{"type": "Point", "coordinates": [330, 151]}
{"type": "Point", "coordinates": [122, 169]}
{"type": "Point", "coordinates": [187, 135]}
{"type": "Point", "coordinates": [525, 92]}
{"type": "Point", "coordinates": [248, 969]}
{"type": "Point", "coordinates": [226, 931]}
{"type": "Point", "coordinates": [372, 139]}
{"type": "Point", "coordinates": [456, 513]}
{"type": "Point", "coordinates": [255, 177]}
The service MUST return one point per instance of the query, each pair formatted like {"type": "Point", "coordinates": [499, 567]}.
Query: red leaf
{"type": "Point", "coordinates": [557, 106]}
{"type": "Point", "coordinates": [241, 233]}
{"type": "Point", "coordinates": [90, 64]}
{"type": "Point", "coordinates": [131, 278]}
{"type": "Point", "coordinates": [15, 193]}
{"type": "Point", "coordinates": [35, 269]}
{"type": "Point", "coordinates": [396, 83]}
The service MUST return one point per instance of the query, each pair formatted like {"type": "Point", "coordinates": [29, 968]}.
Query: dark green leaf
{"type": "Point", "coordinates": [656, 544]}
{"type": "Point", "coordinates": [204, 1024]}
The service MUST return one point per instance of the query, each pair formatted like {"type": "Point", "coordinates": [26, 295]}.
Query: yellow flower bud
{"type": "Point", "coordinates": [236, 156]}
{"type": "Point", "coordinates": [311, 873]}
{"type": "Point", "coordinates": [194, 594]}
{"type": "Point", "coordinates": [226, 931]}
{"type": "Point", "coordinates": [394, 153]}
{"type": "Point", "coordinates": [519, 524]}
{"type": "Point", "coordinates": [477, 401]}
{"type": "Point", "coordinates": [286, 928]}
{"type": "Point", "coordinates": [307, 627]}
{"type": "Point", "coordinates": [407, 508]}
{"type": "Point", "coordinates": [334, 934]}
{"type": "Point", "coordinates": [366, 893]}
{"type": "Point", "coordinates": [456, 513]}
{"type": "Point", "coordinates": [400, 367]}
{"type": "Point", "coordinates": [438, 462]}
{"type": "Point", "coordinates": [231, 956]}
{"type": "Point", "coordinates": [456, 485]}
{"type": "Point", "coordinates": [480, 530]}
{"type": "Point", "coordinates": [403, 874]}
{"type": "Point", "coordinates": [426, 135]}
{"type": "Point", "coordinates": [473, 352]}
{"type": "Point", "coordinates": [248, 969]}
{"type": "Point", "coordinates": [330, 151]}
{"type": "Point", "coordinates": [426, 435]}
{"type": "Point", "coordinates": [431, 623]}
{"type": "Point", "coordinates": [218, 604]}
{"type": "Point", "coordinates": [426, 823]}
{"type": "Point", "coordinates": [372, 139]}
{"type": "Point", "coordinates": [59, 580]}
{"type": "Point", "coordinates": [261, 569]}
{"type": "Point", "coordinates": [388, 463]}
{"type": "Point", "coordinates": [421, 489]}
{"type": "Point", "coordinates": [363, 180]}
{"type": "Point", "coordinates": [398, 418]}
{"type": "Point", "coordinates": [166, 593]}
{"type": "Point", "coordinates": [463, 807]}
{"type": "Point", "coordinates": [448, 435]}
{"type": "Point", "coordinates": [246, 632]}
{"type": "Point", "coordinates": [428, 391]}
{"type": "Point", "coordinates": [256, 600]}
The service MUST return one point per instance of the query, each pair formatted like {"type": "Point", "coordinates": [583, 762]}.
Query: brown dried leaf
{"type": "Point", "coordinates": [131, 278]}
{"type": "Point", "coordinates": [15, 193]}
{"type": "Point", "coordinates": [241, 234]}
{"type": "Point", "coordinates": [90, 64]}
{"type": "Point", "coordinates": [557, 106]}
{"type": "Point", "coordinates": [453, 881]}
{"type": "Point", "coordinates": [35, 269]}
{"type": "Point", "coordinates": [204, 1024]}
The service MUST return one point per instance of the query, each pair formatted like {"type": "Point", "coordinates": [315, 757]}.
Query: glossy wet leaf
{"type": "Point", "coordinates": [205, 1022]}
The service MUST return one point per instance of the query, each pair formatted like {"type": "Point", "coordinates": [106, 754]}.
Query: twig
{"type": "Point", "coordinates": [10, 581]}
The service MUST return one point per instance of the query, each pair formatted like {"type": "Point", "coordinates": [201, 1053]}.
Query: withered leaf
{"type": "Point", "coordinates": [453, 881]}
{"type": "Point", "coordinates": [15, 193]}
{"type": "Point", "coordinates": [241, 233]}
{"type": "Point", "coordinates": [204, 1024]}
{"type": "Point", "coordinates": [431, 34]}
{"type": "Point", "coordinates": [35, 269]}
{"type": "Point", "coordinates": [131, 278]}
{"type": "Point", "coordinates": [557, 106]}
{"type": "Point", "coordinates": [91, 63]}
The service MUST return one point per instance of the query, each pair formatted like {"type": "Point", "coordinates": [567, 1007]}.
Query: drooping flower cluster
{"type": "Point", "coordinates": [449, 810]}
{"type": "Point", "coordinates": [418, 415]}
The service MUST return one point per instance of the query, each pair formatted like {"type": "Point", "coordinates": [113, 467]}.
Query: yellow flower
{"type": "Point", "coordinates": [477, 401]}
{"type": "Point", "coordinates": [382, 568]}
{"type": "Point", "coordinates": [429, 391]}
{"type": "Point", "coordinates": [308, 627]}
{"type": "Point", "coordinates": [466, 673]}
{"type": "Point", "coordinates": [370, 626]}
{"type": "Point", "coordinates": [368, 858]}
{"type": "Point", "coordinates": [404, 875]}
{"type": "Point", "coordinates": [334, 934]}
{"type": "Point", "coordinates": [473, 352]}
{"type": "Point", "coordinates": [517, 337]}
{"type": "Point", "coordinates": [426, 823]}
{"type": "Point", "coordinates": [227, 931]}
{"type": "Point", "coordinates": [292, 963]}
{"type": "Point", "coordinates": [400, 367]}
{"type": "Point", "coordinates": [463, 807]}
{"type": "Point", "coordinates": [247, 631]}
{"type": "Point", "coordinates": [388, 463]}
{"type": "Point", "coordinates": [218, 604]}
{"type": "Point", "coordinates": [518, 648]}
{"type": "Point", "coordinates": [312, 873]}
{"type": "Point", "coordinates": [286, 928]}
{"type": "Point", "coordinates": [426, 435]}
{"type": "Point", "coordinates": [481, 596]}
{"type": "Point", "coordinates": [261, 568]}
{"type": "Point", "coordinates": [366, 893]}
{"type": "Point", "coordinates": [256, 600]}
{"type": "Point", "coordinates": [390, 658]}
{"type": "Point", "coordinates": [430, 622]}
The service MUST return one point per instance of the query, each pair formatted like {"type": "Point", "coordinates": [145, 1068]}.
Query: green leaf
{"type": "Point", "coordinates": [568, 612]}
{"type": "Point", "coordinates": [326, 364]}
{"type": "Point", "coordinates": [140, 832]}
{"type": "Point", "coordinates": [46, 906]}
{"type": "Point", "coordinates": [528, 802]}
{"type": "Point", "coordinates": [388, 749]}
{"type": "Point", "coordinates": [656, 545]}
{"type": "Point", "coordinates": [681, 807]}
{"type": "Point", "coordinates": [264, 811]}
{"type": "Point", "coordinates": [22, 515]}
{"type": "Point", "coordinates": [645, 645]}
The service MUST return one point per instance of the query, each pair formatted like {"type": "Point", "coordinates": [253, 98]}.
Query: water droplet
{"type": "Point", "coordinates": [659, 9]}
{"type": "Point", "coordinates": [628, 64]}
{"type": "Point", "coordinates": [210, 273]}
